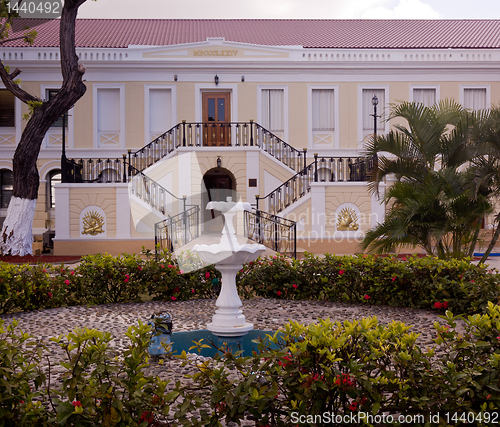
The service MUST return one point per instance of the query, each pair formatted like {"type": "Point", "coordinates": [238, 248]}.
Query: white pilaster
{"type": "Point", "coordinates": [185, 174]}
{"type": "Point", "coordinates": [378, 207]}
{"type": "Point", "coordinates": [318, 209]}
{"type": "Point", "coordinates": [122, 212]}
{"type": "Point", "coordinates": [253, 172]}
{"type": "Point", "coordinates": [62, 211]}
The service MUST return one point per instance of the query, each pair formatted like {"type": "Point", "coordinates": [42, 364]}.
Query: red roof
{"type": "Point", "coordinates": [352, 34]}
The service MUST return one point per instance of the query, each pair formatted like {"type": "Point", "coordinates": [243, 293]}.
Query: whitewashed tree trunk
{"type": "Point", "coordinates": [16, 237]}
{"type": "Point", "coordinates": [17, 228]}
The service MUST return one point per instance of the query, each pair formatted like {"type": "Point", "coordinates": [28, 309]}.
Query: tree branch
{"type": "Point", "coordinates": [8, 81]}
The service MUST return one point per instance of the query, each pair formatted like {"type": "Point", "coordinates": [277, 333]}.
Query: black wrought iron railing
{"type": "Point", "coordinates": [178, 230]}
{"type": "Point", "coordinates": [217, 134]}
{"type": "Point", "coordinates": [94, 170]}
{"type": "Point", "coordinates": [274, 232]}
{"type": "Point", "coordinates": [152, 193]}
{"type": "Point", "coordinates": [322, 169]}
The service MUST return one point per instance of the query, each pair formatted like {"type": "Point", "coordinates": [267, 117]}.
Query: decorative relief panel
{"type": "Point", "coordinates": [347, 221]}
{"type": "Point", "coordinates": [92, 222]}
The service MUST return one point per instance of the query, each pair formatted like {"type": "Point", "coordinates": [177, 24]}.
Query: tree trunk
{"type": "Point", "coordinates": [16, 234]}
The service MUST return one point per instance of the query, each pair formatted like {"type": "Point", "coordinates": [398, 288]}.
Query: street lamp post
{"type": "Point", "coordinates": [64, 164]}
{"type": "Point", "coordinates": [374, 103]}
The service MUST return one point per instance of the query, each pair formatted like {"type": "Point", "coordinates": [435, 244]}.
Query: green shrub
{"type": "Point", "coordinates": [166, 281]}
{"type": "Point", "coordinates": [20, 381]}
{"type": "Point", "coordinates": [110, 279]}
{"type": "Point", "coordinates": [359, 367]}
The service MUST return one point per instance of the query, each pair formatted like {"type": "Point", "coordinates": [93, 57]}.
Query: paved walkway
{"type": "Point", "coordinates": [265, 314]}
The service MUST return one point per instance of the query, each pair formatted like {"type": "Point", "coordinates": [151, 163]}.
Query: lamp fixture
{"type": "Point", "coordinates": [219, 162]}
{"type": "Point", "coordinates": [216, 80]}
{"type": "Point", "coordinates": [175, 77]}
{"type": "Point", "coordinates": [242, 79]}
{"type": "Point", "coordinates": [374, 100]}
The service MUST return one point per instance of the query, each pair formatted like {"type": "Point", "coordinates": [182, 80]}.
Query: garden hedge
{"type": "Point", "coordinates": [427, 283]}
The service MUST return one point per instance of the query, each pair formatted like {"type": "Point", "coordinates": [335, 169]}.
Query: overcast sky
{"type": "Point", "coordinates": [292, 9]}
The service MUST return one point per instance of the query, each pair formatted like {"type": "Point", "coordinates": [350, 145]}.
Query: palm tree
{"type": "Point", "coordinates": [486, 165]}
{"type": "Point", "coordinates": [429, 204]}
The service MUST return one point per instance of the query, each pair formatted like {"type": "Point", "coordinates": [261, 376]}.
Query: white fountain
{"type": "Point", "coordinates": [228, 256]}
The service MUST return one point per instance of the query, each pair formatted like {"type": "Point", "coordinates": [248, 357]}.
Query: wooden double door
{"type": "Point", "coordinates": [216, 119]}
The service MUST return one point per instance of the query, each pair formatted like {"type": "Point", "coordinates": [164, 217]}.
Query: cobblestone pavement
{"type": "Point", "coordinates": [265, 314]}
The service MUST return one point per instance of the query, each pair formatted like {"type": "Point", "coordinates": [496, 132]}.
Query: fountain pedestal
{"type": "Point", "coordinates": [229, 320]}
{"type": "Point", "coordinates": [228, 257]}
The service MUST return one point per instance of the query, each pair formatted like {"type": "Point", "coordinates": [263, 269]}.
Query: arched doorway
{"type": "Point", "coordinates": [219, 184]}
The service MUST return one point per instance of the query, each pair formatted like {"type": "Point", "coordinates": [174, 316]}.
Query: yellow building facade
{"type": "Point", "coordinates": [286, 123]}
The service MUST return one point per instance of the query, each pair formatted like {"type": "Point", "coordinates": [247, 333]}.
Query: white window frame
{"type": "Point", "coordinates": [336, 114]}
{"type": "Point", "coordinates": [476, 86]}
{"type": "Point", "coordinates": [435, 87]}
{"type": "Point", "coordinates": [17, 119]}
{"type": "Point", "coordinates": [95, 117]}
{"type": "Point", "coordinates": [70, 140]}
{"type": "Point", "coordinates": [381, 109]}
{"type": "Point", "coordinates": [260, 119]}
{"type": "Point", "coordinates": [173, 99]}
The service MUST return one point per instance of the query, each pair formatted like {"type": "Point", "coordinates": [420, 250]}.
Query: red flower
{"type": "Point", "coordinates": [394, 278]}
{"type": "Point", "coordinates": [72, 273]}
{"type": "Point", "coordinates": [181, 271]}
{"type": "Point", "coordinates": [404, 259]}
{"type": "Point", "coordinates": [438, 305]}
{"type": "Point", "coordinates": [162, 266]}
{"type": "Point", "coordinates": [445, 304]}
{"type": "Point", "coordinates": [174, 298]}
{"type": "Point", "coordinates": [294, 286]}
{"type": "Point", "coordinates": [76, 403]}
{"type": "Point", "coordinates": [353, 406]}
{"type": "Point", "coordinates": [193, 291]}
{"type": "Point", "coordinates": [341, 272]}
{"type": "Point", "coordinates": [50, 295]}
{"type": "Point", "coordinates": [472, 281]}
{"type": "Point", "coordinates": [147, 416]}
{"type": "Point", "coordinates": [170, 266]}
{"type": "Point", "coordinates": [126, 278]}
{"type": "Point", "coordinates": [207, 275]}
{"type": "Point", "coordinates": [66, 282]}
{"type": "Point", "coordinates": [140, 268]}
{"type": "Point", "coordinates": [367, 296]}
{"type": "Point", "coordinates": [278, 293]}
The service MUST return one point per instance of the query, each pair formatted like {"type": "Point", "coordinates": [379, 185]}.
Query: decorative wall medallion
{"type": "Point", "coordinates": [93, 223]}
{"type": "Point", "coordinates": [347, 220]}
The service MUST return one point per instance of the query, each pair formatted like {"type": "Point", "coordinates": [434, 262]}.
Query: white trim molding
{"type": "Point", "coordinates": [173, 107]}
{"type": "Point", "coordinates": [336, 118]}
{"type": "Point", "coordinates": [260, 119]}
{"type": "Point", "coordinates": [95, 112]}
{"type": "Point", "coordinates": [381, 109]}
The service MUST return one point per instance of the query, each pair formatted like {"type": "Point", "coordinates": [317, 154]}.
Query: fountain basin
{"type": "Point", "coordinates": [220, 254]}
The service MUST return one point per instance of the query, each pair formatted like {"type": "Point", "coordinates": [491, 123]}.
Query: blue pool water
{"type": "Point", "coordinates": [184, 341]}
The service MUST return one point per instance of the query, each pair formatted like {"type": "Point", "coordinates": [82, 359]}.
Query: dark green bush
{"type": "Point", "coordinates": [359, 367]}
{"type": "Point", "coordinates": [427, 283]}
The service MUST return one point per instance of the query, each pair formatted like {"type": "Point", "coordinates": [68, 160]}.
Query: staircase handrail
{"type": "Point", "coordinates": [272, 231]}
{"type": "Point", "coordinates": [167, 226]}
{"type": "Point", "coordinates": [190, 134]}
{"type": "Point", "coordinates": [323, 169]}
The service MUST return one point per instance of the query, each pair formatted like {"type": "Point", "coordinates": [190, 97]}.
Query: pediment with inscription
{"type": "Point", "coordinates": [217, 49]}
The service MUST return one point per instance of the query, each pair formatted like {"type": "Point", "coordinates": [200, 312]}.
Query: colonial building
{"type": "Point", "coordinates": [181, 112]}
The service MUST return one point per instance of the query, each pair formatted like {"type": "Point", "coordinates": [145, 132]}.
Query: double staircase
{"type": "Point", "coordinates": [181, 225]}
